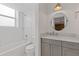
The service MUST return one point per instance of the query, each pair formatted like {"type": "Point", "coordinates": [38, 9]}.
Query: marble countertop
{"type": "Point", "coordinates": [62, 38]}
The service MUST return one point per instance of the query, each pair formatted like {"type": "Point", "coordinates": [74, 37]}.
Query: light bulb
{"type": "Point", "coordinates": [57, 7]}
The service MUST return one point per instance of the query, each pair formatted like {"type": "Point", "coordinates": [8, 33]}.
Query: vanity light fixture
{"type": "Point", "coordinates": [57, 7]}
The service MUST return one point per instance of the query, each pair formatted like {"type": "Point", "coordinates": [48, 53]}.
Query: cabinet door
{"type": "Point", "coordinates": [70, 52]}
{"type": "Point", "coordinates": [55, 50]}
{"type": "Point", "coordinates": [45, 51]}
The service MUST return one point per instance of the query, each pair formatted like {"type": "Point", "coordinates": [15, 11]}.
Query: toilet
{"type": "Point", "coordinates": [29, 50]}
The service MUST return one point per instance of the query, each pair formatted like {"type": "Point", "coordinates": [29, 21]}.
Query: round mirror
{"type": "Point", "coordinates": [59, 21]}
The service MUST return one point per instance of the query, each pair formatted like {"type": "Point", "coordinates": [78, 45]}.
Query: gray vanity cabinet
{"type": "Point", "coordinates": [70, 52]}
{"type": "Point", "coordinates": [45, 47]}
{"type": "Point", "coordinates": [70, 49]}
{"type": "Point", "coordinates": [55, 48]}
{"type": "Point", "coordinates": [51, 47]}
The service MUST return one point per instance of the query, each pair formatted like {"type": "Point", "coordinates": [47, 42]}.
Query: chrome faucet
{"type": "Point", "coordinates": [53, 33]}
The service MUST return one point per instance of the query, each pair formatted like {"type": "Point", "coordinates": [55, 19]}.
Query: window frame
{"type": "Point", "coordinates": [10, 18]}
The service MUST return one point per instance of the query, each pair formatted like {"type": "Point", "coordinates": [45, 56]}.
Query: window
{"type": "Point", "coordinates": [7, 16]}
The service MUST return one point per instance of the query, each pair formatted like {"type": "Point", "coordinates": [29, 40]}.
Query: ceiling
{"type": "Point", "coordinates": [23, 7]}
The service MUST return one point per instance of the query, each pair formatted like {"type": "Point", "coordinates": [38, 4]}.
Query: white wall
{"type": "Point", "coordinates": [69, 9]}
{"type": "Point", "coordinates": [10, 35]}
{"type": "Point", "coordinates": [32, 27]}
{"type": "Point", "coordinates": [43, 16]}
{"type": "Point", "coordinates": [31, 22]}
{"type": "Point", "coordinates": [29, 11]}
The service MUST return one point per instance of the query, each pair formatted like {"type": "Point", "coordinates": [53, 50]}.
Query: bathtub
{"type": "Point", "coordinates": [15, 49]}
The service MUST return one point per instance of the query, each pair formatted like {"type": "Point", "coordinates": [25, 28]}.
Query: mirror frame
{"type": "Point", "coordinates": [65, 19]}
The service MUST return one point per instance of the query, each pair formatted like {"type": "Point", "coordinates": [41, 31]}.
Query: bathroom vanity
{"type": "Point", "coordinates": [59, 43]}
{"type": "Point", "coordinates": [59, 46]}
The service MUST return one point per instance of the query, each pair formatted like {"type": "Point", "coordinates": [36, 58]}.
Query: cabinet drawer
{"type": "Point", "coordinates": [70, 45]}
